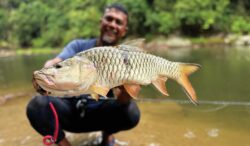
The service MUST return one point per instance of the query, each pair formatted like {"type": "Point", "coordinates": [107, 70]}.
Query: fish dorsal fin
{"type": "Point", "coordinates": [133, 46]}
{"type": "Point", "coordinates": [130, 48]}
{"type": "Point", "coordinates": [159, 83]}
{"type": "Point", "coordinates": [103, 91]}
{"type": "Point", "coordinates": [132, 89]}
{"type": "Point", "coordinates": [136, 42]}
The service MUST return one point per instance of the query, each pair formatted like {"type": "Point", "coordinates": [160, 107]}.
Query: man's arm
{"type": "Point", "coordinates": [71, 49]}
{"type": "Point", "coordinates": [67, 52]}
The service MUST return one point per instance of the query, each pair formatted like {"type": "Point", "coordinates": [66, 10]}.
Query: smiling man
{"type": "Point", "coordinates": [113, 27]}
{"type": "Point", "coordinates": [83, 114]}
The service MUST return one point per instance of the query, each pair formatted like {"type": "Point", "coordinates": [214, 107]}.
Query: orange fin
{"type": "Point", "coordinates": [95, 96]}
{"type": "Point", "coordinates": [132, 89]}
{"type": "Point", "coordinates": [186, 70]}
{"type": "Point", "coordinates": [189, 68]}
{"type": "Point", "coordinates": [159, 83]}
{"type": "Point", "coordinates": [136, 42]}
{"type": "Point", "coordinates": [103, 91]}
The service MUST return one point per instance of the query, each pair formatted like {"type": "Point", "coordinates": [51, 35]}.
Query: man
{"type": "Point", "coordinates": [106, 115]}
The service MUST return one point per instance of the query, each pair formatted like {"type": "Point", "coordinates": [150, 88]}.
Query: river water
{"type": "Point", "coordinates": [221, 119]}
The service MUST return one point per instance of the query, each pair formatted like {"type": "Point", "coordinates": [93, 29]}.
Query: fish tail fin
{"type": "Point", "coordinates": [186, 70]}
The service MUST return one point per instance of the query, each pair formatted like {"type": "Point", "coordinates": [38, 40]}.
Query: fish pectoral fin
{"type": "Point", "coordinates": [159, 83]}
{"type": "Point", "coordinates": [132, 89]}
{"type": "Point", "coordinates": [95, 96]}
{"type": "Point", "coordinates": [103, 91]}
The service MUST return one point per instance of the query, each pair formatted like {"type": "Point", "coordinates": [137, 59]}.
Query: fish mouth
{"type": "Point", "coordinates": [40, 79]}
{"type": "Point", "coordinates": [44, 85]}
{"type": "Point", "coordinates": [38, 88]}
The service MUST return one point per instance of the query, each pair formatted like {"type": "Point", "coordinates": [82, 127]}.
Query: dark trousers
{"type": "Point", "coordinates": [106, 115]}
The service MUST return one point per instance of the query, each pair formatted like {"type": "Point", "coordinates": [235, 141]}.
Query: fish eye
{"type": "Point", "coordinates": [57, 66]}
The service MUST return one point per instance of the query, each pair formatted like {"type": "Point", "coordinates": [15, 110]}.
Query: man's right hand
{"type": "Point", "coordinates": [122, 95]}
{"type": "Point", "coordinates": [52, 62]}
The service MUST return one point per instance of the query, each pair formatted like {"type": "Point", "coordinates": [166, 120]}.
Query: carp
{"type": "Point", "coordinates": [99, 69]}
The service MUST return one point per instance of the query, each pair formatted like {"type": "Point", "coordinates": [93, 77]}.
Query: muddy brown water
{"type": "Point", "coordinates": [221, 119]}
{"type": "Point", "coordinates": [164, 123]}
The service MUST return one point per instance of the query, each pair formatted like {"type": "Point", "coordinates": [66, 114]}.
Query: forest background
{"type": "Point", "coordinates": [53, 23]}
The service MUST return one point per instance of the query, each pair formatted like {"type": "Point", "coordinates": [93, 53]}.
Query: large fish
{"type": "Point", "coordinates": [97, 70]}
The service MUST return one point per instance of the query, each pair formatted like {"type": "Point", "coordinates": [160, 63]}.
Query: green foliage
{"type": "Point", "coordinates": [28, 22]}
{"type": "Point", "coordinates": [161, 22]}
{"type": "Point", "coordinates": [3, 24]}
{"type": "Point", "coordinates": [200, 12]}
{"type": "Point", "coordinates": [137, 16]}
{"type": "Point", "coordinates": [80, 23]}
{"type": "Point", "coordinates": [240, 25]}
{"type": "Point", "coordinates": [49, 23]}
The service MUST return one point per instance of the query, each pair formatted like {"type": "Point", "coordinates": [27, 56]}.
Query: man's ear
{"type": "Point", "coordinates": [125, 32]}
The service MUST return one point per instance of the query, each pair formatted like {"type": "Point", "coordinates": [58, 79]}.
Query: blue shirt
{"type": "Point", "coordinates": [75, 47]}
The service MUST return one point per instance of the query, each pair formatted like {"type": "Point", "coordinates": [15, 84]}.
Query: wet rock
{"type": "Point", "coordinates": [5, 97]}
{"type": "Point", "coordinates": [153, 144]}
{"type": "Point", "coordinates": [162, 44]}
{"type": "Point", "coordinates": [25, 140]}
{"type": "Point", "coordinates": [214, 132]}
{"type": "Point", "coordinates": [5, 53]}
{"type": "Point", "coordinates": [230, 39]}
{"type": "Point", "coordinates": [1, 140]}
{"type": "Point", "coordinates": [178, 42]}
{"type": "Point", "coordinates": [243, 41]}
{"type": "Point", "coordinates": [237, 40]}
{"type": "Point", "coordinates": [121, 143]}
{"type": "Point", "coordinates": [189, 134]}
{"type": "Point", "coordinates": [2, 100]}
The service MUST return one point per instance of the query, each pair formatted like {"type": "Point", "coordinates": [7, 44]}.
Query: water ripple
{"type": "Point", "coordinates": [201, 102]}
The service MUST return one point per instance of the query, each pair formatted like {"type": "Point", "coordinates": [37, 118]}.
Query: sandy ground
{"type": "Point", "coordinates": [162, 124]}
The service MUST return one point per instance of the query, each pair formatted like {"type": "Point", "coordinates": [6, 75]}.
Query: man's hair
{"type": "Point", "coordinates": [117, 6]}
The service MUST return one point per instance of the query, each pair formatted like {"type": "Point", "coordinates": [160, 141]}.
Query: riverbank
{"type": "Point", "coordinates": [159, 43]}
{"type": "Point", "coordinates": [28, 51]}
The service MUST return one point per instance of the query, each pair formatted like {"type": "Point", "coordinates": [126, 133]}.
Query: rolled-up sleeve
{"type": "Point", "coordinates": [75, 47]}
{"type": "Point", "coordinates": [70, 50]}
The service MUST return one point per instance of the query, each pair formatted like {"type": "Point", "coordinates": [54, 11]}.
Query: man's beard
{"type": "Point", "coordinates": [109, 41]}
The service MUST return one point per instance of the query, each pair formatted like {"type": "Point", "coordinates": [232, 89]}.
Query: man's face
{"type": "Point", "coordinates": [113, 26]}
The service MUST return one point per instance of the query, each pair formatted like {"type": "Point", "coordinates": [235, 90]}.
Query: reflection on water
{"type": "Point", "coordinates": [16, 71]}
{"type": "Point", "coordinates": [222, 118]}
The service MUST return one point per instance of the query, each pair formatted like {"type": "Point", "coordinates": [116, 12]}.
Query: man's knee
{"type": "Point", "coordinates": [133, 114]}
{"type": "Point", "coordinates": [35, 105]}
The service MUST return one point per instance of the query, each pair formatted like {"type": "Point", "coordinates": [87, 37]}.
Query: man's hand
{"type": "Point", "coordinates": [122, 94]}
{"type": "Point", "coordinates": [52, 62]}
